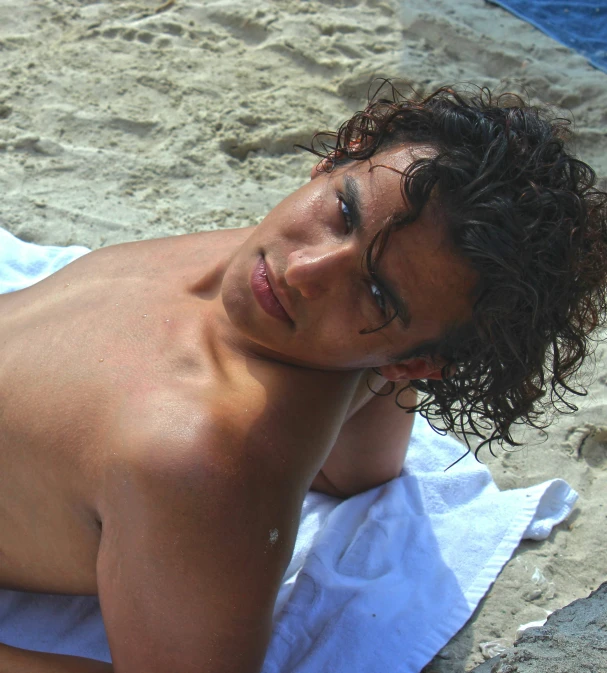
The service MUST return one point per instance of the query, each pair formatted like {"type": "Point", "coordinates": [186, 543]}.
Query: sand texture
{"type": "Point", "coordinates": [128, 120]}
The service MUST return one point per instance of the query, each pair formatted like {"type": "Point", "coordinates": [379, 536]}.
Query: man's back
{"type": "Point", "coordinates": [113, 356]}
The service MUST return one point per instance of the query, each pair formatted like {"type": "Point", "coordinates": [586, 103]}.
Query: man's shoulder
{"type": "Point", "coordinates": [200, 434]}
{"type": "Point", "coordinates": [171, 422]}
{"type": "Point", "coordinates": [264, 431]}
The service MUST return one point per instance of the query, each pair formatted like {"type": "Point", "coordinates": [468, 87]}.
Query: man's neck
{"type": "Point", "coordinates": [232, 353]}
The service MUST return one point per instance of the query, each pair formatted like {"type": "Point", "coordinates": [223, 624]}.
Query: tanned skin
{"type": "Point", "coordinates": [157, 424]}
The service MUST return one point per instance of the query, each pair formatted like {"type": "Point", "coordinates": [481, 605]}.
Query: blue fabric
{"type": "Point", "coordinates": [578, 24]}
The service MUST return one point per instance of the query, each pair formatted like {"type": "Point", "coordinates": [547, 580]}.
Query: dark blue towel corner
{"type": "Point", "coordinates": [578, 24]}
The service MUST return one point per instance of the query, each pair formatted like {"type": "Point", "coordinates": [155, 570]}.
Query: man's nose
{"type": "Point", "coordinates": [314, 270]}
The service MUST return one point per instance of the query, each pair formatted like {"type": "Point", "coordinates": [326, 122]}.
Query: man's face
{"type": "Point", "coordinates": [297, 292]}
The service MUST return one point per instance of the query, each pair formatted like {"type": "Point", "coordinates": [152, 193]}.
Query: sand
{"type": "Point", "coordinates": [129, 120]}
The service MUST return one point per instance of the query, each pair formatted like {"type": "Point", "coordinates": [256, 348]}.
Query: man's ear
{"type": "Point", "coordinates": [416, 368]}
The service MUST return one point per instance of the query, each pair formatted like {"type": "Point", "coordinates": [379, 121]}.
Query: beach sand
{"type": "Point", "coordinates": [130, 120]}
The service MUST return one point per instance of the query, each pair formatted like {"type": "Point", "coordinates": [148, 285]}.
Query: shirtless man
{"type": "Point", "coordinates": [167, 403]}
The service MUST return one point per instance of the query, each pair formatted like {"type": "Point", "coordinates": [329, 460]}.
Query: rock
{"type": "Point", "coordinates": [573, 640]}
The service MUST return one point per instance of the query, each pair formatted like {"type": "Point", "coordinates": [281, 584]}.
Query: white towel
{"type": "Point", "coordinates": [379, 582]}
{"type": "Point", "coordinates": [23, 264]}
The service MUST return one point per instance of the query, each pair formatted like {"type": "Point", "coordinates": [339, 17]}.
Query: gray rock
{"type": "Point", "coordinates": [573, 640]}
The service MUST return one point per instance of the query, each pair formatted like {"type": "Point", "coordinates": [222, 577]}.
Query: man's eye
{"type": "Point", "coordinates": [379, 297]}
{"type": "Point", "coordinates": [346, 213]}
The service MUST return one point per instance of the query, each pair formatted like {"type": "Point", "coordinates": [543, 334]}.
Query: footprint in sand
{"type": "Point", "coordinates": [590, 443]}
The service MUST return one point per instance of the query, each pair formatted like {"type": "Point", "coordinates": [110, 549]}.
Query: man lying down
{"type": "Point", "coordinates": [167, 404]}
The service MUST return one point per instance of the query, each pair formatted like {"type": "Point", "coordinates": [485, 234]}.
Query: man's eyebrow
{"type": "Point", "coordinates": [352, 194]}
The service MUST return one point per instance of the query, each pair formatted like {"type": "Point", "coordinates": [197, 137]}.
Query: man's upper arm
{"type": "Point", "coordinates": [371, 446]}
{"type": "Point", "coordinates": [191, 558]}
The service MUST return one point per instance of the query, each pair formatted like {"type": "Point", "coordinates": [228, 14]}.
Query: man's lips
{"type": "Point", "coordinates": [262, 284]}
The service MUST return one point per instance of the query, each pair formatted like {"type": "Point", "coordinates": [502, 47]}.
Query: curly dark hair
{"type": "Point", "coordinates": [528, 217]}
